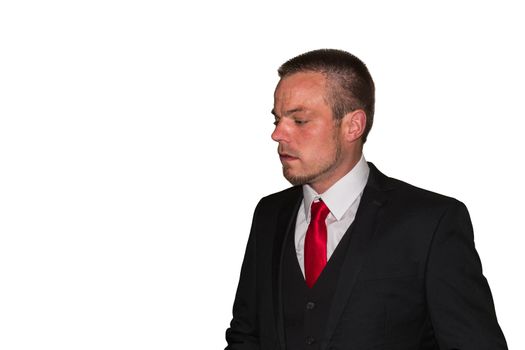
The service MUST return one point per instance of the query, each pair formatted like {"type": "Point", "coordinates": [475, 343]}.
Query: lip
{"type": "Point", "coordinates": [286, 157]}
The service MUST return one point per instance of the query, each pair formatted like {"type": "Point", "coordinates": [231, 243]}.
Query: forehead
{"type": "Point", "coordinates": [302, 87]}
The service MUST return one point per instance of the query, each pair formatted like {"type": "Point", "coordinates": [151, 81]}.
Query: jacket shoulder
{"type": "Point", "coordinates": [417, 197]}
{"type": "Point", "coordinates": [407, 194]}
{"type": "Point", "coordinates": [275, 202]}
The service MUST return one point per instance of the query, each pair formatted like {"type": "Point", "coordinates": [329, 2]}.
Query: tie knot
{"type": "Point", "coordinates": [319, 211]}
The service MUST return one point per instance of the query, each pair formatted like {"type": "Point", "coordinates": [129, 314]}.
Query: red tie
{"type": "Point", "coordinates": [315, 243]}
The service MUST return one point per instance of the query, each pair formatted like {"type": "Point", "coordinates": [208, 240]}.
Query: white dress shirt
{"type": "Point", "coordinates": [342, 199]}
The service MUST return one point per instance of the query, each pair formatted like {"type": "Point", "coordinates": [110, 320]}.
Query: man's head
{"type": "Point", "coordinates": [321, 107]}
{"type": "Point", "coordinates": [349, 84]}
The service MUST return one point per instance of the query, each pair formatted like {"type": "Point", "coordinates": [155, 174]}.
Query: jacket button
{"type": "Point", "coordinates": [310, 340]}
{"type": "Point", "coordinates": [310, 305]}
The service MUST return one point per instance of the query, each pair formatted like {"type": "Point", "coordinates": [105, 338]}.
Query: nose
{"type": "Point", "coordinates": [280, 133]}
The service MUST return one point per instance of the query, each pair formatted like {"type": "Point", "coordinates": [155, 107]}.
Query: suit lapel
{"type": "Point", "coordinates": [285, 226]}
{"type": "Point", "coordinates": [365, 224]}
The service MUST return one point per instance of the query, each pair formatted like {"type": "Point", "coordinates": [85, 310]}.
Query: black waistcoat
{"type": "Point", "coordinates": [305, 310]}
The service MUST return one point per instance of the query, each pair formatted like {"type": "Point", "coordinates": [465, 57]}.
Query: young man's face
{"type": "Point", "coordinates": [309, 138]}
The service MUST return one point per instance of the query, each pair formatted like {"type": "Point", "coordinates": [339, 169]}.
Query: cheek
{"type": "Point", "coordinates": [324, 145]}
{"type": "Point", "coordinates": [314, 143]}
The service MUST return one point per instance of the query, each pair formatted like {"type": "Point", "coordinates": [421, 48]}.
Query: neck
{"type": "Point", "coordinates": [323, 184]}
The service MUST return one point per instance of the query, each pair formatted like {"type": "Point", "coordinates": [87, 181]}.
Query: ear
{"type": "Point", "coordinates": [353, 125]}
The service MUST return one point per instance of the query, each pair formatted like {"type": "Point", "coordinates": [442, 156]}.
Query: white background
{"type": "Point", "coordinates": [135, 144]}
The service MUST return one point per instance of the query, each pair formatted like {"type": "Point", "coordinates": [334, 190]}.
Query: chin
{"type": "Point", "coordinates": [296, 179]}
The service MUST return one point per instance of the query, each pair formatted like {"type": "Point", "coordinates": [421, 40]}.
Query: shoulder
{"type": "Point", "coordinates": [277, 201]}
{"type": "Point", "coordinates": [414, 210]}
{"type": "Point", "coordinates": [403, 189]}
{"type": "Point", "coordinates": [408, 196]}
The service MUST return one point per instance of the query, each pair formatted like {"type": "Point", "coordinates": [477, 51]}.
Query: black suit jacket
{"type": "Point", "coordinates": [411, 278]}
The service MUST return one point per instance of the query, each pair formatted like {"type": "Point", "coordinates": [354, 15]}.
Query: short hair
{"type": "Point", "coordinates": [350, 85]}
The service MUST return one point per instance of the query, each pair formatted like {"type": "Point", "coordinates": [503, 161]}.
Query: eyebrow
{"type": "Point", "coordinates": [288, 112]}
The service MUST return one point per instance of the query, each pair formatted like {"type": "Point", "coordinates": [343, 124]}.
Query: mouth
{"type": "Point", "coordinates": [285, 157]}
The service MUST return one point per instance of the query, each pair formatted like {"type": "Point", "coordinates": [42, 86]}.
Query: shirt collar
{"type": "Point", "coordinates": [342, 194]}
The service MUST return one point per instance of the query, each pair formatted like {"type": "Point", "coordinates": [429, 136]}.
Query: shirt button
{"type": "Point", "coordinates": [310, 305]}
{"type": "Point", "coordinates": [310, 340]}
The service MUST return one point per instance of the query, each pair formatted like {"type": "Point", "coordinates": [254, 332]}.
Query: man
{"type": "Point", "coordinates": [349, 258]}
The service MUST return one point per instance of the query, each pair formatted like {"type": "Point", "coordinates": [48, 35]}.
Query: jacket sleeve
{"type": "Point", "coordinates": [458, 295]}
{"type": "Point", "coordinates": [243, 331]}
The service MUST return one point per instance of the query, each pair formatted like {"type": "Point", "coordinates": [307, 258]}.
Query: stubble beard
{"type": "Point", "coordinates": [325, 168]}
